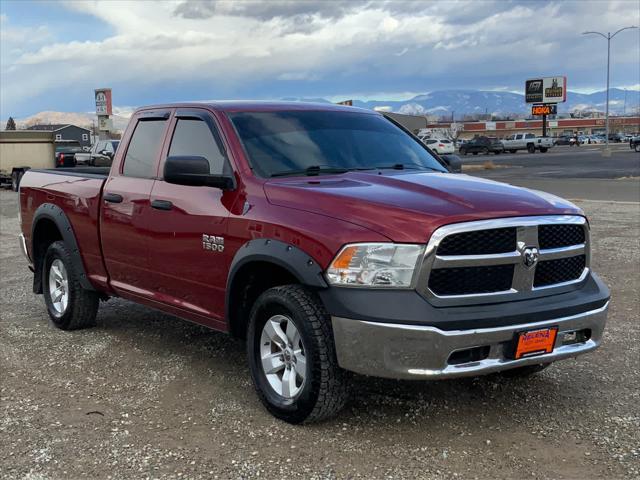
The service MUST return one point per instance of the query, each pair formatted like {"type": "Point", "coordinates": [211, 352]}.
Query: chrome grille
{"type": "Point", "coordinates": [457, 272]}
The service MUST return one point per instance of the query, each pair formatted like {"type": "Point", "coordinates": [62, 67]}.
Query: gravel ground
{"type": "Point", "coordinates": [145, 395]}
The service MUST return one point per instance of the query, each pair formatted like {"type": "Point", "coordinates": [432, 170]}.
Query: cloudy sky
{"type": "Point", "coordinates": [54, 53]}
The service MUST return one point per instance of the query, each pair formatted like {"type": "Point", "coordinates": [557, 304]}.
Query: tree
{"type": "Point", "coordinates": [11, 124]}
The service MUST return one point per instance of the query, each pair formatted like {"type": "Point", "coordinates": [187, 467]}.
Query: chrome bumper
{"type": "Point", "coordinates": [413, 352]}
{"type": "Point", "coordinates": [25, 252]}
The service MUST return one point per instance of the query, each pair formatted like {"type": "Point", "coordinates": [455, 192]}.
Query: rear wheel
{"type": "Point", "coordinates": [637, 147]}
{"type": "Point", "coordinates": [543, 149]}
{"type": "Point", "coordinates": [475, 153]}
{"type": "Point", "coordinates": [513, 151]}
{"type": "Point", "coordinates": [463, 151]}
{"type": "Point", "coordinates": [531, 148]}
{"type": "Point", "coordinates": [485, 151]}
{"type": "Point", "coordinates": [70, 306]}
{"type": "Point", "coordinates": [292, 356]}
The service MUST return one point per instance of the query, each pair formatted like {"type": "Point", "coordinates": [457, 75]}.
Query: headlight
{"type": "Point", "coordinates": [375, 265]}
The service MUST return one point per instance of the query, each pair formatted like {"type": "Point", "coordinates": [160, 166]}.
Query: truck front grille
{"type": "Point", "coordinates": [505, 259]}
{"type": "Point", "coordinates": [469, 280]}
{"type": "Point", "coordinates": [556, 236]}
{"type": "Point", "coordinates": [496, 240]}
{"type": "Point", "coordinates": [561, 270]}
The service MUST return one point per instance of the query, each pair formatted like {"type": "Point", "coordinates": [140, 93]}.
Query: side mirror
{"type": "Point", "coordinates": [454, 162]}
{"type": "Point", "coordinates": [194, 171]}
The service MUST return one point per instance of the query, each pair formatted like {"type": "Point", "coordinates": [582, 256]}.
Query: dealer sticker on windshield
{"type": "Point", "coordinates": [536, 342]}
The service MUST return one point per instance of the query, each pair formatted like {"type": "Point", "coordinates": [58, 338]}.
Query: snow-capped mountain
{"type": "Point", "coordinates": [469, 102]}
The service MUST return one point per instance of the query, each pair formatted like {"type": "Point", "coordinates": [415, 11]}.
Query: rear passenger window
{"type": "Point", "coordinates": [530, 135]}
{"type": "Point", "coordinates": [144, 149]}
{"type": "Point", "coordinates": [194, 138]}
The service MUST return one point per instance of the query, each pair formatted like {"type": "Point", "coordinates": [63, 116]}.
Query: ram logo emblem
{"type": "Point", "coordinates": [213, 243]}
{"type": "Point", "coordinates": [530, 256]}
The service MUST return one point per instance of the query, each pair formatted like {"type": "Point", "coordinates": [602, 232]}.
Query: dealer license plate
{"type": "Point", "coordinates": [536, 342]}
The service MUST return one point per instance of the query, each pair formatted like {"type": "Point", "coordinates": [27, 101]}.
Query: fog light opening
{"type": "Point", "coordinates": [576, 336]}
{"type": "Point", "coordinates": [469, 355]}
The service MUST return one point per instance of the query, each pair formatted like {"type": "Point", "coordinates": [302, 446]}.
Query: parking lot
{"type": "Point", "coordinates": [147, 395]}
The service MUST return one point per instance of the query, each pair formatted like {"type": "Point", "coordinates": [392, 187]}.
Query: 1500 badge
{"type": "Point", "coordinates": [213, 243]}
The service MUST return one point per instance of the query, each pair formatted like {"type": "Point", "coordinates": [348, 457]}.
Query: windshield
{"type": "Point", "coordinates": [315, 142]}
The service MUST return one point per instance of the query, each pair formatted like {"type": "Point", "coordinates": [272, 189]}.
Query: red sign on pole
{"type": "Point", "coordinates": [103, 102]}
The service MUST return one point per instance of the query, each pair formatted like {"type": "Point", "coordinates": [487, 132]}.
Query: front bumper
{"type": "Point", "coordinates": [406, 351]}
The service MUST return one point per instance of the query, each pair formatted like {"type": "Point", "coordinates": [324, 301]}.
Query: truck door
{"type": "Point", "coordinates": [125, 208]}
{"type": "Point", "coordinates": [188, 260]}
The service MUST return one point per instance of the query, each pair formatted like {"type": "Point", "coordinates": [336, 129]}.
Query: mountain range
{"type": "Point", "coordinates": [442, 103]}
{"type": "Point", "coordinates": [469, 102]}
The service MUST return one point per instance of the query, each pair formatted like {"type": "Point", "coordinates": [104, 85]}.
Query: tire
{"type": "Point", "coordinates": [81, 306]}
{"type": "Point", "coordinates": [463, 152]}
{"type": "Point", "coordinates": [323, 390]}
{"type": "Point", "coordinates": [485, 151]}
{"type": "Point", "coordinates": [531, 148]}
{"type": "Point", "coordinates": [475, 153]}
{"type": "Point", "coordinates": [637, 147]}
{"type": "Point", "coordinates": [15, 180]}
{"type": "Point", "coordinates": [526, 371]}
{"type": "Point", "coordinates": [513, 151]}
{"type": "Point", "coordinates": [543, 149]}
{"type": "Point", "coordinates": [498, 152]}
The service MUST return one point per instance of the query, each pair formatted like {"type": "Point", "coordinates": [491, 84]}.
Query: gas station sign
{"type": "Point", "coordinates": [542, 109]}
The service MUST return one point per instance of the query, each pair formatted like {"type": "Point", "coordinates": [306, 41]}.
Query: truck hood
{"type": "Point", "coordinates": [409, 206]}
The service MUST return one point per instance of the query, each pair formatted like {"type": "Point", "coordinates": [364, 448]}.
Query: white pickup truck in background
{"type": "Point", "coordinates": [528, 142]}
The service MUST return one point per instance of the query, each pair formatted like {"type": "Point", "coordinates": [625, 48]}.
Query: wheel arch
{"type": "Point", "coordinates": [262, 264]}
{"type": "Point", "coordinates": [49, 225]}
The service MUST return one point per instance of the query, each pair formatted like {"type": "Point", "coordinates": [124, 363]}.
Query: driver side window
{"type": "Point", "coordinates": [193, 137]}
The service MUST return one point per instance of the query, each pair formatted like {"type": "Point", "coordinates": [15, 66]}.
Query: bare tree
{"type": "Point", "coordinates": [11, 124]}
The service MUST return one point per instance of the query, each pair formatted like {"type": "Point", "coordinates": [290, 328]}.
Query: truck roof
{"type": "Point", "coordinates": [259, 106]}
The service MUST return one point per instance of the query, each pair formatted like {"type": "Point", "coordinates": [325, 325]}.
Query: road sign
{"type": "Point", "coordinates": [544, 109]}
{"type": "Point", "coordinates": [546, 90]}
{"type": "Point", "coordinates": [103, 102]}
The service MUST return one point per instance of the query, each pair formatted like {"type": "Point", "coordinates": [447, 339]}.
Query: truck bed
{"type": "Point", "coordinates": [77, 191]}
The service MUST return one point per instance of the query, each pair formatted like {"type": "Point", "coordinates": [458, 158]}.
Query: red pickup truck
{"type": "Point", "coordinates": [329, 237]}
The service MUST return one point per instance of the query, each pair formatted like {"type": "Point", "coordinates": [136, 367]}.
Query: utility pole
{"type": "Point", "coordinates": [608, 37]}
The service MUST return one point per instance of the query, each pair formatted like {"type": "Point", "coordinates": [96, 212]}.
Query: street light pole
{"type": "Point", "coordinates": [608, 37]}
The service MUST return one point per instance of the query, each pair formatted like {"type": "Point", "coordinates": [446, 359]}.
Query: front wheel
{"type": "Point", "coordinates": [531, 148]}
{"type": "Point", "coordinates": [292, 356]}
{"type": "Point", "coordinates": [637, 147]}
{"type": "Point", "coordinates": [463, 152]}
{"type": "Point", "coordinates": [70, 306]}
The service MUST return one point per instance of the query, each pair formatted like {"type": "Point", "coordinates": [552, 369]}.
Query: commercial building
{"type": "Point", "coordinates": [555, 128]}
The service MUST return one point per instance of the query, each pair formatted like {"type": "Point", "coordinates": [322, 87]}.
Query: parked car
{"type": "Point", "coordinates": [484, 145]}
{"type": "Point", "coordinates": [528, 142]}
{"type": "Point", "coordinates": [564, 140]}
{"type": "Point", "coordinates": [440, 146]}
{"type": "Point", "coordinates": [65, 153]}
{"type": "Point", "coordinates": [328, 237]}
{"type": "Point", "coordinates": [100, 154]}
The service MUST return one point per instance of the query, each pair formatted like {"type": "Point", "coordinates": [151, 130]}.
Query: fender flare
{"type": "Point", "coordinates": [297, 262]}
{"type": "Point", "coordinates": [54, 213]}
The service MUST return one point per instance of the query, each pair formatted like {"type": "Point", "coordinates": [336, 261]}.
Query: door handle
{"type": "Point", "coordinates": [112, 198]}
{"type": "Point", "coordinates": [161, 204]}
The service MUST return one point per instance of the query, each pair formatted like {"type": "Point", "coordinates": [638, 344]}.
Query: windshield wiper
{"type": "Point", "coordinates": [311, 171]}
